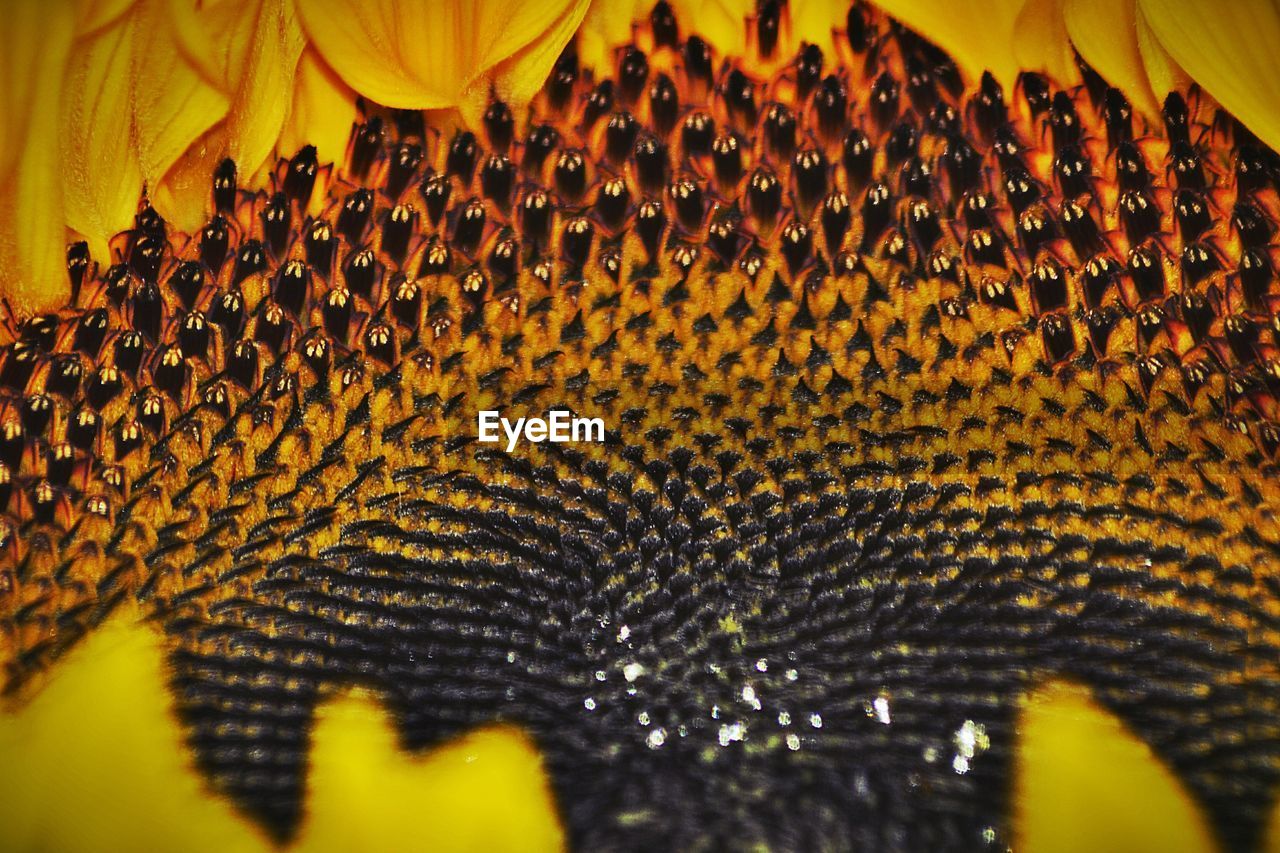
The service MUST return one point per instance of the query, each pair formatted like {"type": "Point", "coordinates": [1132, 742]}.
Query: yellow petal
{"type": "Point", "coordinates": [1229, 48]}
{"type": "Point", "coordinates": [172, 103]}
{"type": "Point", "coordinates": [1041, 44]}
{"type": "Point", "coordinates": [1271, 839]}
{"type": "Point", "coordinates": [518, 78]}
{"type": "Point", "coordinates": [132, 105]}
{"type": "Point", "coordinates": [394, 54]}
{"type": "Point", "coordinates": [184, 196]}
{"type": "Point", "coordinates": [606, 25]}
{"type": "Point", "coordinates": [484, 791]}
{"type": "Point", "coordinates": [979, 34]}
{"type": "Point", "coordinates": [34, 45]}
{"type": "Point", "coordinates": [322, 112]}
{"type": "Point", "coordinates": [94, 14]}
{"type": "Point", "coordinates": [1106, 34]}
{"type": "Point", "coordinates": [102, 178]}
{"type": "Point", "coordinates": [1164, 74]}
{"type": "Point", "coordinates": [720, 23]}
{"type": "Point", "coordinates": [116, 778]}
{"type": "Point", "coordinates": [812, 21]}
{"type": "Point", "coordinates": [1084, 782]}
{"type": "Point", "coordinates": [250, 52]}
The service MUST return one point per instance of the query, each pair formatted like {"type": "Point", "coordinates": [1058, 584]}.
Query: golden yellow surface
{"type": "Point", "coordinates": [94, 763]}
{"type": "Point", "coordinates": [1084, 782]}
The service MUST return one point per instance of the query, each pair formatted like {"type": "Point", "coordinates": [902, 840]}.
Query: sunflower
{"type": "Point", "coordinates": [937, 355]}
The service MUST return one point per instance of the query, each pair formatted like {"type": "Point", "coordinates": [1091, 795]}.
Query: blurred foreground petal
{"type": "Point", "coordinates": [400, 55]}
{"type": "Point", "coordinates": [1229, 48]}
{"type": "Point", "coordinates": [34, 45]}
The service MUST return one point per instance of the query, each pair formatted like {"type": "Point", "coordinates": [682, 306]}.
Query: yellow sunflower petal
{"type": "Point", "coordinates": [979, 34]}
{"type": "Point", "coordinates": [101, 176]}
{"type": "Point", "coordinates": [1106, 34]}
{"type": "Point", "coordinates": [322, 112]}
{"type": "Point", "coordinates": [184, 196]}
{"type": "Point", "coordinates": [1229, 48]}
{"type": "Point", "coordinates": [399, 56]}
{"type": "Point", "coordinates": [1164, 74]}
{"type": "Point", "coordinates": [172, 103]}
{"type": "Point", "coordinates": [813, 20]}
{"type": "Point", "coordinates": [518, 78]}
{"type": "Point", "coordinates": [483, 791]}
{"type": "Point", "coordinates": [606, 25]}
{"type": "Point", "coordinates": [519, 25]}
{"type": "Point", "coordinates": [1040, 41]}
{"type": "Point", "coordinates": [250, 53]}
{"type": "Point", "coordinates": [720, 23]}
{"type": "Point", "coordinates": [34, 46]}
{"type": "Point", "coordinates": [132, 105]}
{"type": "Point", "coordinates": [1085, 782]}
{"type": "Point", "coordinates": [95, 14]}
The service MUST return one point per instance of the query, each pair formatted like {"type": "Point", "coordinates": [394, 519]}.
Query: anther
{"type": "Point", "coordinates": [620, 136]}
{"type": "Point", "coordinates": [276, 224]}
{"type": "Point", "coordinates": [687, 198]}
{"type": "Point", "coordinates": [401, 168]}
{"type": "Point", "coordinates": [366, 146]}
{"type": "Point", "coordinates": [397, 229]}
{"type": "Point", "coordinates": [463, 153]}
{"type": "Point", "coordinates": [858, 156]}
{"type": "Point", "coordinates": [469, 229]}
{"type": "Point", "coordinates": [224, 186]}
{"type": "Point", "coordinates": [832, 102]}
{"type": "Point", "coordinates": [727, 160]}
{"type": "Point", "coordinates": [499, 126]}
{"type": "Point", "coordinates": [535, 217]}
{"type": "Point", "coordinates": [633, 73]}
{"type": "Point", "coordinates": [361, 273]}
{"type": "Point", "coordinates": [539, 144]}
{"type": "Point", "coordinates": [764, 195]}
{"type": "Point", "coordinates": [697, 133]}
{"type": "Point", "coordinates": [808, 70]}
{"type": "Point", "coordinates": [650, 223]}
{"type": "Point", "coordinates": [664, 104]}
{"type": "Point", "coordinates": [300, 175]}
{"type": "Point", "coordinates": [797, 245]}
{"type": "Point", "coordinates": [651, 163]}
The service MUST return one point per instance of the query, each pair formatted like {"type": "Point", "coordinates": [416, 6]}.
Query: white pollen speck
{"type": "Point", "coordinates": [815, 720]}
{"type": "Point", "coordinates": [792, 675]}
{"type": "Point", "coordinates": [623, 633]}
{"type": "Point", "coordinates": [632, 671]}
{"type": "Point", "coordinates": [971, 739]}
{"type": "Point", "coordinates": [784, 718]}
{"type": "Point", "coordinates": [643, 718]}
{"type": "Point", "coordinates": [762, 665]}
{"type": "Point", "coordinates": [732, 732]}
{"type": "Point", "coordinates": [881, 706]}
{"type": "Point", "coordinates": [656, 738]}
{"type": "Point", "coordinates": [589, 703]}
{"type": "Point", "coordinates": [793, 742]}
